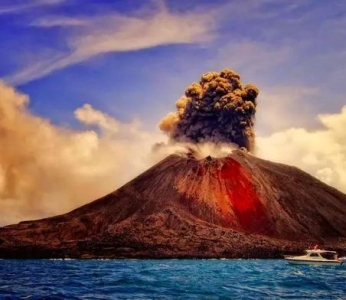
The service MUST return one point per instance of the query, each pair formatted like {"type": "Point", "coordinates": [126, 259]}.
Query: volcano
{"type": "Point", "coordinates": [234, 206]}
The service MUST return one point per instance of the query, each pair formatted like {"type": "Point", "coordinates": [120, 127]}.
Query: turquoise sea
{"type": "Point", "coordinates": [169, 279]}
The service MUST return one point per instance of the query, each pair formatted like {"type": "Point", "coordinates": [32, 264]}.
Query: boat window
{"type": "Point", "coordinates": [314, 255]}
{"type": "Point", "coordinates": [328, 255]}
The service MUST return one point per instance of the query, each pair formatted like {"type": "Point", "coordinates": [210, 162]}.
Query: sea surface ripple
{"type": "Point", "coordinates": [169, 279]}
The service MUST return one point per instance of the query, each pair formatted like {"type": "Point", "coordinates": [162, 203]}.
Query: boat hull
{"type": "Point", "coordinates": [314, 262]}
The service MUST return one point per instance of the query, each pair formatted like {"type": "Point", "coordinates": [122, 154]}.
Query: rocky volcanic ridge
{"type": "Point", "coordinates": [235, 206]}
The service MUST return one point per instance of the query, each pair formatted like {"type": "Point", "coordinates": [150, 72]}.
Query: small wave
{"type": "Point", "coordinates": [185, 279]}
{"type": "Point", "coordinates": [298, 273]}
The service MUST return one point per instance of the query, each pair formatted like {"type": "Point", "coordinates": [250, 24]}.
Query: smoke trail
{"type": "Point", "coordinates": [218, 109]}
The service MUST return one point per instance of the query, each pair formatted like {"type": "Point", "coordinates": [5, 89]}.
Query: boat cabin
{"type": "Point", "coordinates": [318, 254]}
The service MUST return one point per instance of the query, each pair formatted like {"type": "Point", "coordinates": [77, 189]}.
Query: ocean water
{"type": "Point", "coordinates": [169, 279]}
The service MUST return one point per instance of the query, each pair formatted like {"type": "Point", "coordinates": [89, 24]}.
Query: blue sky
{"type": "Point", "coordinates": [84, 85]}
{"type": "Point", "coordinates": [135, 58]}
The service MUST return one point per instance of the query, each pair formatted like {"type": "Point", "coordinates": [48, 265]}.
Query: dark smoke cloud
{"type": "Point", "coordinates": [218, 109]}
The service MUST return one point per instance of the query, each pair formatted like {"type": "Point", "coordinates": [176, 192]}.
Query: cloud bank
{"type": "Point", "coordinates": [47, 170]}
{"type": "Point", "coordinates": [321, 152]}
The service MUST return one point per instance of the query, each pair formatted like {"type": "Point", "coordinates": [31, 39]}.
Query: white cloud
{"type": "Point", "coordinates": [322, 152]}
{"type": "Point", "coordinates": [118, 33]}
{"type": "Point", "coordinates": [252, 57]}
{"type": "Point", "coordinates": [16, 7]}
{"type": "Point", "coordinates": [282, 107]}
{"type": "Point", "coordinates": [89, 116]}
{"type": "Point", "coordinates": [56, 22]}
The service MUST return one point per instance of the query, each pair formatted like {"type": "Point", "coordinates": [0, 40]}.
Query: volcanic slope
{"type": "Point", "coordinates": [235, 206]}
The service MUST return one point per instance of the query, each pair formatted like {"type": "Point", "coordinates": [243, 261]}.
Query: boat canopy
{"type": "Point", "coordinates": [319, 251]}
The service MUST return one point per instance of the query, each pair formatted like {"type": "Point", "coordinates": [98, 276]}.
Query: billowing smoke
{"type": "Point", "coordinates": [218, 109]}
{"type": "Point", "coordinates": [47, 170]}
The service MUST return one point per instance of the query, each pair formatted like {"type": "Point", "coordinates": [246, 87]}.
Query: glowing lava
{"type": "Point", "coordinates": [243, 198]}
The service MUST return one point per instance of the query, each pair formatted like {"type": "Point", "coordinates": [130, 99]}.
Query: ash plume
{"type": "Point", "coordinates": [218, 109]}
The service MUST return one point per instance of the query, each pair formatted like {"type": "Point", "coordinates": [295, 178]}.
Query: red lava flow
{"type": "Point", "coordinates": [244, 200]}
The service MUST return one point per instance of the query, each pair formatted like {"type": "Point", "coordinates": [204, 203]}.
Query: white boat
{"type": "Point", "coordinates": [316, 257]}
